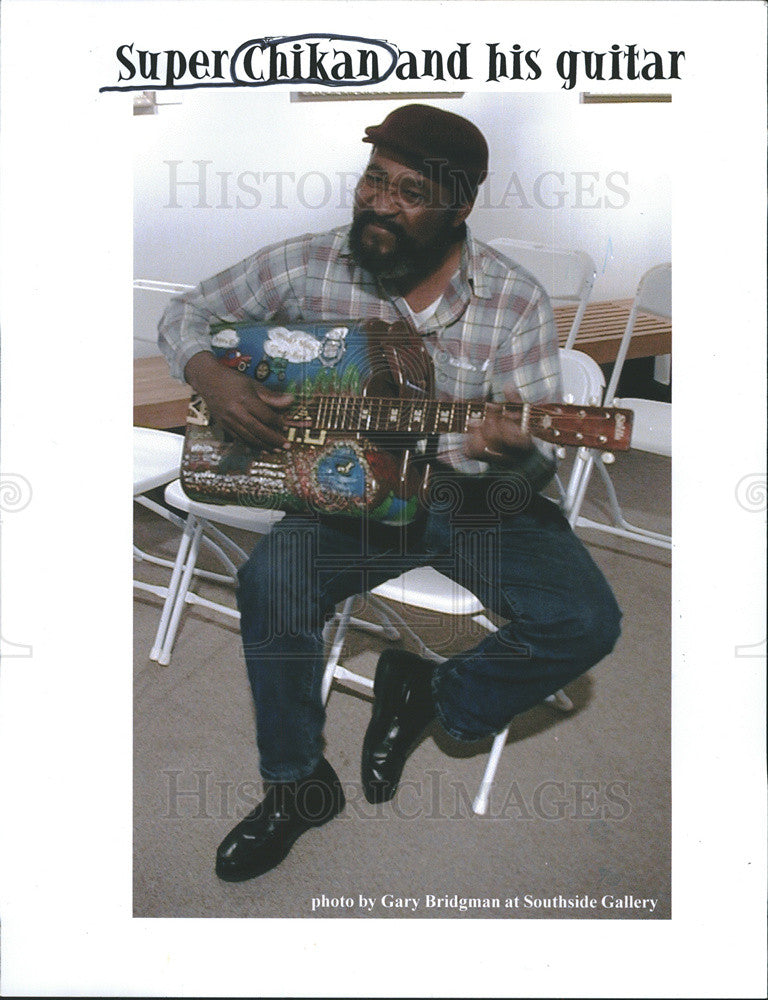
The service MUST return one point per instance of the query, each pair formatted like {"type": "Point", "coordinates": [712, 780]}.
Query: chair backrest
{"type": "Point", "coordinates": [654, 293]}
{"type": "Point", "coordinates": [651, 424]}
{"type": "Point", "coordinates": [654, 296]}
{"type": "Point", "coordinates": [567, 276]}
{"type": "Point", "coordinates": [156, 458]}
{"type": "Point", "coordinates": [582, 378]}
{"type": "Point", "coordinates": [583, 382]}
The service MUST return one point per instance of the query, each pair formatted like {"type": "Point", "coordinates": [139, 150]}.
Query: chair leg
{"type": "Point", "coordinates": [177, 600]}
{"type": "Point", "coordinates": [618, 515]}
{"type": "Point", "coordinates": [389, 615]}
{"type": "Point", "coordinates": [332, 663]}
{"type": "Point", "coordinates": [172, 589]}
{"type": "Point", "coordinates": [560, 700]}
{"type": "Point", "coordinates": [480, 805]}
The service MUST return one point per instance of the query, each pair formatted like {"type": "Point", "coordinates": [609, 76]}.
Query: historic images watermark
{"type": "Point", "coordinates": [199, 795]}
{"type": "Point", "coordinates": [751, 496]}
{"type": "Point", "coordinates": [15, 496]}
{"type": "Point", "coordinates": [201, 184]}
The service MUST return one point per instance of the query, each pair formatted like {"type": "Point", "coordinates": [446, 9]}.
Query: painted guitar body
{"type": "Point", "coordinates": [330, 470]}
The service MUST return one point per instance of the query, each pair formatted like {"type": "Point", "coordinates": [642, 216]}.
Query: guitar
{"type": "Point", "coordinates": [364, 425]}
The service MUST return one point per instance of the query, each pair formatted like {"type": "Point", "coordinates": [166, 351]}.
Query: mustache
{"type": "Point", "coordinates": [369, 218]}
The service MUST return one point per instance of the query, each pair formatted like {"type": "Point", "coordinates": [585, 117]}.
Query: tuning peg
{"type": "Point", "coordinates": [608, 458]}
{"type": "Point", "coordinates": [560, 452]}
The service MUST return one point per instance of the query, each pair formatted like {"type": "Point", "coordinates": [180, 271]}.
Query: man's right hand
{"type": "Point", "coordinates": [247, 410]}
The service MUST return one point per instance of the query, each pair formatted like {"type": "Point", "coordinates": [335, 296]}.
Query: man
{"type": "Point", "coordinates": [489, 330]}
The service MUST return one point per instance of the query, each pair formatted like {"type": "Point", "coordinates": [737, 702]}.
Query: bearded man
{"type": "Point", "coordinates": [488, 329]}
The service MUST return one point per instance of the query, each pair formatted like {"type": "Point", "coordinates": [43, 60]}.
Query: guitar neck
{"type": "Point", "coordinates": [559, 423]}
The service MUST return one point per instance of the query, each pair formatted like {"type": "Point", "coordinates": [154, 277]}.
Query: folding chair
{"type": "Point", "coordinates": [156, 461]}
{"type": "Point", "coordinates": [199, 528]}
{"type": "Point", "coordinates": [567, 276]}
{"type": "Point", "coordinates": [652, 422]}
{"type": "Point", "coordinates": [425, 588]}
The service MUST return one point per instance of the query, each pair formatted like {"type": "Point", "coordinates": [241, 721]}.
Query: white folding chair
{"type": "Point", "coordinates": [426, 588]}
{"type": "Point", "coordinates": [652, 420]}
{"type": "Point", "coordinates": [567, 276]}
{"type": "Point", "coordinates": [200, 527]}
{"type": "Point", "coordinates": [156, 461]}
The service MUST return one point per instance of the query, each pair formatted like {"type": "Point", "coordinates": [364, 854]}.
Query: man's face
{"type": "Point", "coordinates": [402, 226]}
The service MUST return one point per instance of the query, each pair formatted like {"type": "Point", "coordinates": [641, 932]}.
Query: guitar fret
{"type": "Point", "coordinates": [436, 418]}
{"type": "Point", "coordinates": [474, 412]}
{"type": "Point", "coordinates": [417, 417]}
{"type": "Point", "coordinates": [525, 417]}
{"type": "Point", "coordinates": [365, 416]}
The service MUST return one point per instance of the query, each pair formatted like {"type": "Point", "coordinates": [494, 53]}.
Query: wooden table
{"type": "Point", "coordinates": [161, 401]}
{"type": "Point", "coordinates": [602, 327]}
{"type": "Point", "coordinates": [158, 400]}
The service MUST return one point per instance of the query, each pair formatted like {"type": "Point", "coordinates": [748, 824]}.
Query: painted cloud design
{"type": "Point", "coordinates": [225, 338]}
{"type": "Point", "coordinates": [292, 345]}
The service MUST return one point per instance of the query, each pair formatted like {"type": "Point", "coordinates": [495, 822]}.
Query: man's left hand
{"type": "Point", "coordinates": [497, 439]}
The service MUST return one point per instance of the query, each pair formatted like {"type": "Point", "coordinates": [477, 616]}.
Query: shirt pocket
{"type": "Point", "coordinates": [461, 371]}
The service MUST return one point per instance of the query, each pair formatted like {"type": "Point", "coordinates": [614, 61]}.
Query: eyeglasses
{"type": "Point", "coordinates": [406, 193]}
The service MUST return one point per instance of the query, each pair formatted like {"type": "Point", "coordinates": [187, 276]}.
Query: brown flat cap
{"type": "Point", "coordinates": [444, 147]}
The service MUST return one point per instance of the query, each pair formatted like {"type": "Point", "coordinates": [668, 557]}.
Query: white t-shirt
{"type": "Point", "coordinates": [420, 319]}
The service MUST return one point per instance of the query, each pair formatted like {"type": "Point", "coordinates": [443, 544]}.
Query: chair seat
{"type": "Point", "coordinates": [231, 515]}
{"type": "Point", "coordinates": [156, 458]}
{"type": "Point", "coordinates": [424, 587]}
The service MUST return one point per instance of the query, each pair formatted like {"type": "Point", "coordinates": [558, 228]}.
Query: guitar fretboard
{"type": "Point", "coordinates": [560, 423]}
{"type": "Point", "coordinates": [409, 416]}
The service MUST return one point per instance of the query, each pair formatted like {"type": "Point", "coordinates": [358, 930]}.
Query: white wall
{"type": "Point", "coordinates": [591, 177]}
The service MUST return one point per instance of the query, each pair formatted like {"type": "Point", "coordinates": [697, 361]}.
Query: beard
{"type": "Point", "coordinates": [407, 258]}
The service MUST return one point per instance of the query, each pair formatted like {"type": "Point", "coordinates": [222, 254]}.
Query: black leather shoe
{"type": "Point", "coordinates": [402, 707]}
{"type": "Point", "coordinates": [264, 838]}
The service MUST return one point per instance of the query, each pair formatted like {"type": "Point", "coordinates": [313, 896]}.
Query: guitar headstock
{"type": "Point", "coordinates": [604, 428]}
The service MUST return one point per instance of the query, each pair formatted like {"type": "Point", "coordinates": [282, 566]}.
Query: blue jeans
{"type": "Point", "coordinates": [529, 568]}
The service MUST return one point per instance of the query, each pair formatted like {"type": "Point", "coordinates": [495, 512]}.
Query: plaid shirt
{"type": "Point", "coordinates": [492, 336]}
